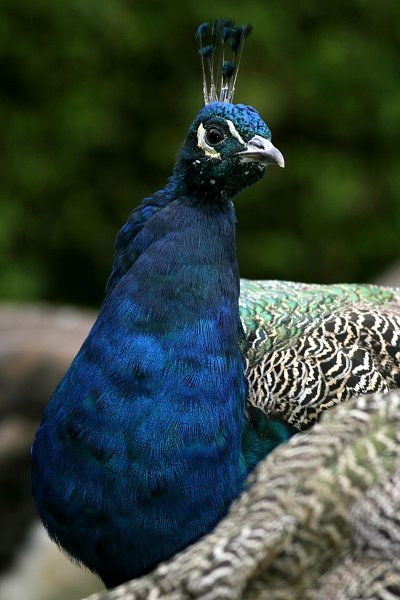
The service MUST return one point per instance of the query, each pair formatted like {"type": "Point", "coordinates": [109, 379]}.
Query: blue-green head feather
{"type": "Point", "coordinates": [228, 148]}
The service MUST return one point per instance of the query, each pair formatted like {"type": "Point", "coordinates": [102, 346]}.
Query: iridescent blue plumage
{"type": "Point", "coordinates": [146, 441]}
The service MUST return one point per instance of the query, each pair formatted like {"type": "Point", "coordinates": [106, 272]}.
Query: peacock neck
{"type": "Point", "coordinates": [185, 266]}
{"type": "Point", "coordinates": [159, 398]}
{"type": "Point", "coordinates": [127, 249]}
{"type": "Point", "coordinates": [176, 315]}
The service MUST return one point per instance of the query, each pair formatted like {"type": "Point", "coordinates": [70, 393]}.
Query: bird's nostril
{"type": "Point", "coordinates": [258, 144]}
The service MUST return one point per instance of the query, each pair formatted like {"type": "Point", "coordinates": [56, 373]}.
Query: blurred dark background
{"type": "Point", "coordinates": [96, 97]}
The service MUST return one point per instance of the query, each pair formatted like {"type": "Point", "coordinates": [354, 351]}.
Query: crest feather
{"type": "Point", "coordinates": [219, 73]}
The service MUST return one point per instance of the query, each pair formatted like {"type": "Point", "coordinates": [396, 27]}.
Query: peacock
{"type": "Point", "coordinates": [189, 377]}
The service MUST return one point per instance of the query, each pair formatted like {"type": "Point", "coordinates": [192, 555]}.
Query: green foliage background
{"type": "Point", "coordinates": [97, 96]}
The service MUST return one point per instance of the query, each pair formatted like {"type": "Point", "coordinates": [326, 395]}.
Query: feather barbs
{"type": "Point", "coordinates": [219, 83]}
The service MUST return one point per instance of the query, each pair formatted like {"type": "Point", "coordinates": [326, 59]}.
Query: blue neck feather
{"type": "Point", "coordinates": [125, 252]}
{"type": "Point", "coordinates": [156, 396]}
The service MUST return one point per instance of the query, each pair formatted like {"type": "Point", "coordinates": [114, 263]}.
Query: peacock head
{"type": "Point", "coordinates": [228, 146]}
{"type": "Point", "coordinates": [227, 149]}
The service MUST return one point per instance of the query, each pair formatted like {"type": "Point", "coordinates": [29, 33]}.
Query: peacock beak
{"type": "Point", "coordinates": [261, 150]}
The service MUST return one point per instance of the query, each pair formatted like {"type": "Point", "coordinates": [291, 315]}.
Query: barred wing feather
{"type": "Point", "coordinates": [312, 346]}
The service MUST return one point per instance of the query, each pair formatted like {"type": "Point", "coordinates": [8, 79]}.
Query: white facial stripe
{"type": "Point", "coordinates": [201, 142]}
{"type": "Point", "coordinates": [235, 132]}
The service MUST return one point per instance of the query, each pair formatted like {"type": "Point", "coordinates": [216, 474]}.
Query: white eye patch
{"type": "Point", "coordinates": [201, 142]}
{"type": "Point", "coordinates": [209, 150]}
{"type": "Point", "coordinates": [234, 132]}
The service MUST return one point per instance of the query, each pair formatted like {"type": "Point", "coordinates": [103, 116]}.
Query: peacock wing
{"type": "Point", "coordinates": [312, 346]}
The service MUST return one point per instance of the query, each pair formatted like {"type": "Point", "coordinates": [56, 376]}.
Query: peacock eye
{"type": "Point", "coordinates": [214, 136]}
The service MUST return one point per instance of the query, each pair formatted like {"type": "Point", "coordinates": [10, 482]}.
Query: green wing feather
{"type": "Point", "coordinates": [311, 346]}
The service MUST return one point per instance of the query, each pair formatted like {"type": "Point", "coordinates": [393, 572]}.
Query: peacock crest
{"type": "Point", "coordinates": [220, 58]}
